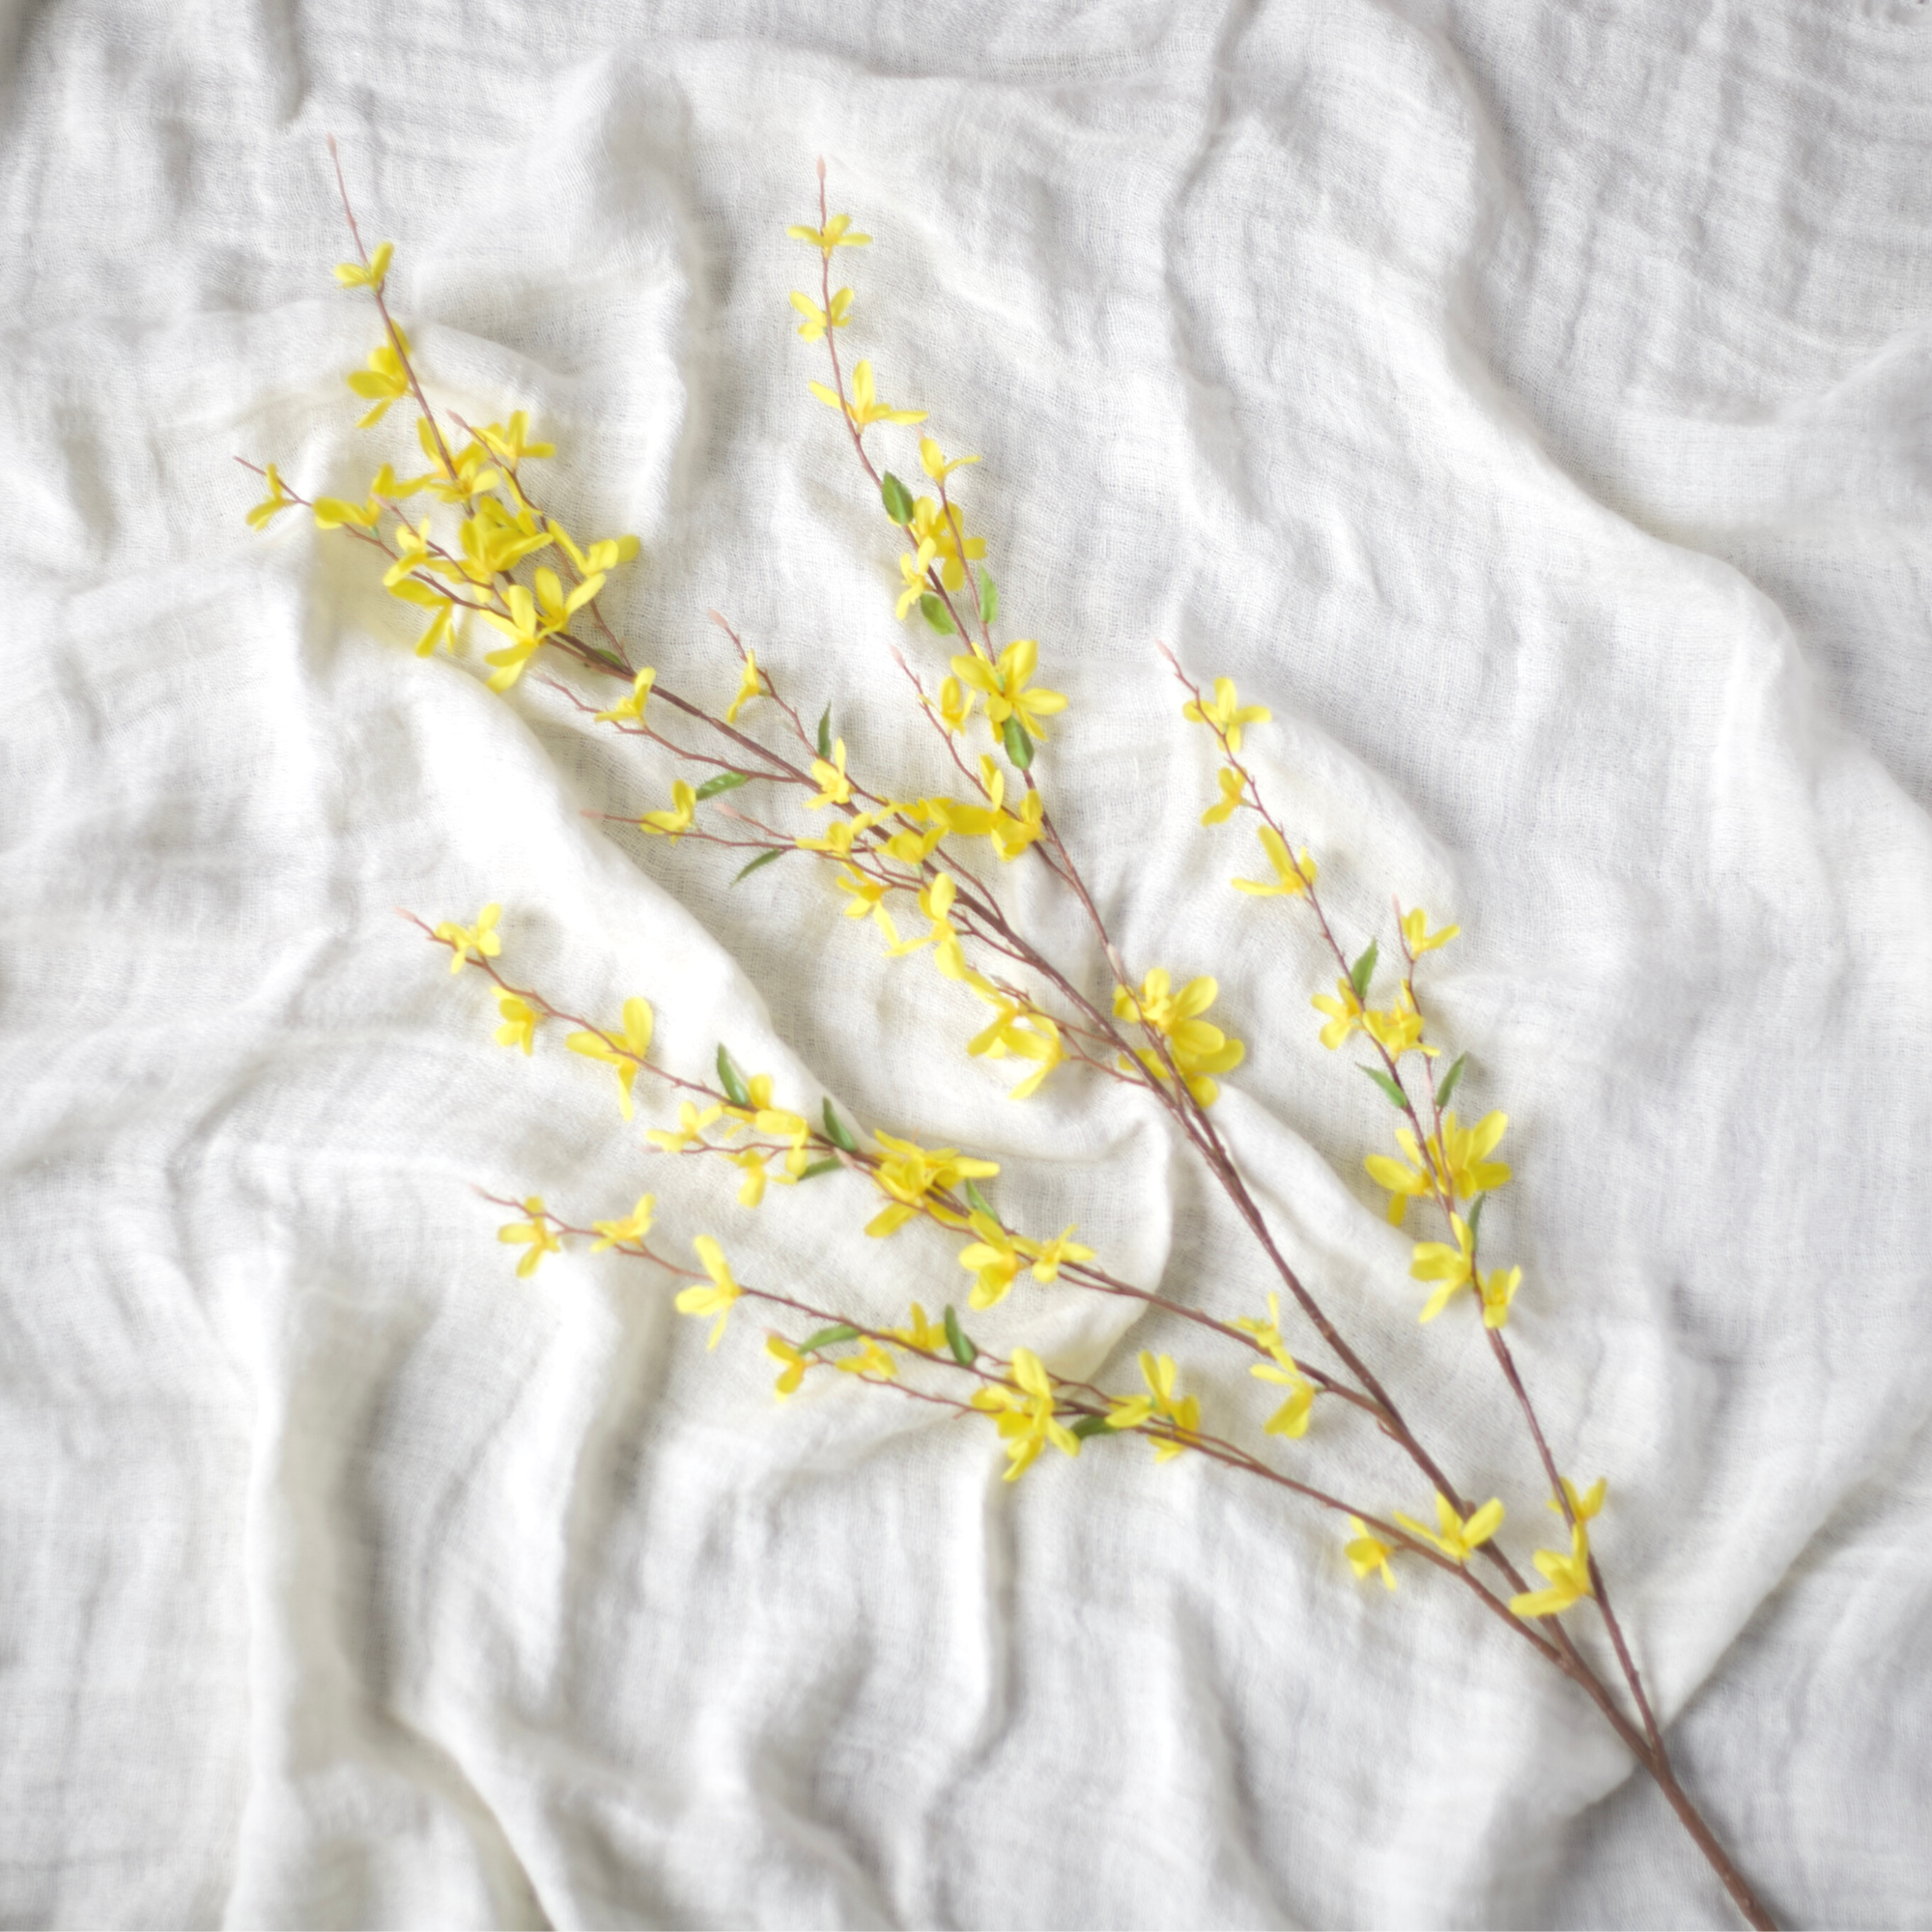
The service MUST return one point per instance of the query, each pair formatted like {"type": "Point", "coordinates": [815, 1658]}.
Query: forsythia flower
{"type": "Point", "coordinates": [633, 1226]}
{"type": "Point", "coordinates": [1368, 1553]}
{"type": "Point", "coordinates": [995, 1259]}
{"type": "Point", "coordinates": [519, 1022]}
{"type": "Point", "coordinates": [385, 380]}
{"type": "Point", "coordinates": [1234, 795]}
{"type": "Point", "coordinates": [1418, 937]}
{"type": "Point", "coordinates": [369, 275]}
{"type": "Point", "coordinates": [935, 902]}
{"type": "Point", "coordinates": [1049, 1258]}
{"type": "Point", "coordinates": [1004, 686]}
{"type": "Point", "coordinates": [1198, 1048]}
{"type": "Point", "coordinates": [1024, 1408]}
{"type": "Point", "coordinates": [750, 686]}
{"type": "Point", "coordinates": [1397, 1030]}
{"type": "Point", "coordinates": [600, 557]}
{"type": "Point", "coordinates": [1568, 1577]}
{"type": "Point", "coordinates": [931, 523]}
{"type": "Point", "coordinates": [913, 566]}
{"type": "Point", "coordinates": [1460, 1540]}
{"type": "Point", "coordinates": [956, 704]}
{"type": "Point", "coordinates": [1160, 1375]}
{"type": "Point", "coordinates": [1022, 1031]}
{"type": "Point", "coordinates": [557, 608]}
{"type": "Point", "coordinates": [273, 503]}
{"type": "Point", "coordinates": [1583, 1504]}
{"type": "Point", "coordinates": [536, 1232]}
{"type": "Point", "coordinates": [868, 900]}
{"type": "Point", "coordinates": [1458, 1165]}
{"type": "Point", "coordinates": [510, 443]}
{"type": "Point", "coordinates": [717, 1299]}
{"type": "Point", "coordinates": [929, 1337]}
{"type": "Point", "coordinates": [690, 1130]}
{"type": "Point", "coordinates": [817, 320]}
{"type": "Point", "coordinates": [1291, 1419]}
{"type": "Point", "coordinates": [1227, 715]}
{"type": "Point", "coordinates": [864, 409]}
{"type": "Point", "coordinates": [833, 786]}
{"type": "Point", "coordinates": [442, 609]}
{"type": "Point", "coordinates": [525, 629]}
{"type": "Point", "coordinates": [1346, 1009]}
{"type": "Point", "coordinates": [628, 1055]}
{"type": "Point", "coordinates": [479, 939]}
{"type": "Point", "coordinates": [932, 460]}
{"type": "Point", "coordinates": [1451, 1268]}
{"type": "Point", "coordinates": [1293, 876]}
{"type": "Point", "coordinates": [795, 1364]}
{"type": "Point", "coordinates": [872, 1361]}
{"type": "Point", "coordinates": [677, 821]}
{"type": "Point", "coordinates": [631, 708]}
{"type": "Point", "coordinates": [909, 1174]}
{"type": "Point", "coordinates": [832, 236]}
{"type": "Point", "coordinates": [1497, 1289]}
{"type": "Point", "coordinates": [752, 1189]}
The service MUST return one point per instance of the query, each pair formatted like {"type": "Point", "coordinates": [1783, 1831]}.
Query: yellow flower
{"type": "Point", "coordinates": [956, 704]}
{"type": "Point", "coordinates": [511, 443]}
{"type": "Point", "coordinates": [913, 566]}
{"type": "Point", "coordinates": [1346, 1009]}
{"type": "Point", "coordinates": [332, 513]}
{"type": "Point", "coordinates": [935, 902]}
{"type": "Point", "coordinates": [931, 523]}
{"type": "Point", "coordinates": [1460, 1540]}
{"type": "Point", "coordinates": [864, 409]}
{"type": "Point", "coordinates": [536, 1232]}
{"type": "Point", "coordinates": [1398, 1029]}
{"type": "Point", "coordinates": [555, 607]}
{"type": "Point", "coordinates": [868, 900]}
{"type": "Point", "coordinates": [1405, 1183]}
{"type": "Point", "coordinates": [872, 1361]}
{"type": "Point", "coordinates": [1293, 876]}
{"type": "Point", "coordinates": [752, 1189]}
{"type": "Point", "coordinates": [717, 1299]}
{"type": "Point", "coordinates": [1023, 1407]}
{"type": "Point", "coordinates": [749, 685]}
{"type": "Point", "coordinates": [1234, 795]}
{"type": "Point", "coordinates": [385, 380]}
{"type": "Point", "coordinates": [1585, 1504]}
{"type": "Point", "coordinates": [795, 1364]}
{"type": "Point", "coordinates": [1023, 1031]}
{"type": "Point", "coordinates": [817, 319]}
{"type": "Point", "coordinates": [479, 939]}
{"type": "Point", "coordinates": [995, 1261]}
{"type": "Point", "coordinates": [442, 612]}
{"type": "Point", "coordinates": [1292, 1418]}
{"type": "Point", "coordinates": [626, 1055]}
{"type": "Point", "coordinates": [1497, 1289]}
{"type": "Point", "coordinates": [932, 460]}
{"type": "Point", "coordinates": [929, 1337]}
{"type": "Point", "coordinates": [677, 821]}
{"type": "Point", "coordinates": [472, 473]}
{"type": "Point", "coordinates": [1450, 1269]}
{"type": "Point", "coordinates": [369, 275]}
{"type": "Point", "coordinates": [1369, 1554]}
{"type": "Point", "coordinates": [1012, 833]}
{"type": "Point", "coordinates": [909, 1174]}
{"type": "Point", "coordinates": [1004, 686]}
{"type": "Point", "coordinates": [273, 503]}
{"type": "Point", "coordinates": [1052, 1256]}
{"type": "Point", "coordinates": [1198, 1049]}
{"type": "Point", "coordinates": [1467, 1151]}
{"type": "Point", "coordinates": [600, 557]}
{"type": "Point", "coordinates": [633, 1226]}
{"type": "Point", "coordinates": [1160, 1375]}
{"type": "Point", "coordinates": [519, 1022]}
{"type": "Point", "coordinates": [1568, 1577]}
{"type": "Point", "coordinates": [1226, 716]}
{"type": "Point", "coordinates": [523, 628]}
{"type": "Point", "coordinates": [833, 235]}
{"type": "Point", "coordinates": [833, 786]}
{"type": "Point", "coordinates": [690, 1130]}
{"type": "Point", "coordinates": [1416, 931]}
{"type": "Point", "coordinates": [632, 709]}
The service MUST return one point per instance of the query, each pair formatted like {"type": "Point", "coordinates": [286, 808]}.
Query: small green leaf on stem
{"type": "Point", "coordinates": [764, 858]}
{"type": "Point", "coordinates": [825, 733]}
{"type": "Point", "coordinates": [837, 1132]}
{"type": "Point", "coordinates": [1475, 1214]}
{"type": "Point", "coordinates": [826, 1338]}
{"type": "Point", "coordinates": [898, 499]}
{"type": "Point", "coordinates": [829, 1165]}
{"type": "Point", "coordinates": [978, 1202]}
{"type": "Point", "coordinates": [933, 609]}
{"type": "Point", "coordinates": [963, 1350]}
{"type": "Point", "coordinates": [989, 597]}
{"type": "Point", "coordinates": [1396, 1097]}
{"type": "Point", "coordinates": [723, 782]}
{"type": "Point", "coordinates": [1449, 1080]}
{"type": "Point", "coordinates": [1364, 969]}
{"type": "Point", "coordinates": [1091, 1425]}
{"type": "Point", "coordinates": [1019, 747]}
{"type": "Point", "coordinates": [729, 1078]}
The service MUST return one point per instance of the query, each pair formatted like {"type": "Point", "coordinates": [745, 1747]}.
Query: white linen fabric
{"type": "Point", "coordinates": [1527, 401]}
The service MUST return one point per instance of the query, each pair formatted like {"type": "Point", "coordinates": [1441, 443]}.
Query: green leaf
{"type": "Point", "coordinates": [1396, 1097]}
{"type": "Point", "coordinates": [1449, 1080]}
{"type": "Point", "coordinates": [825, 733]}
{"type": "Point", "coordinates": [843, 1331]}
{"type": "Point", "coordinates": [730, 1080]}
{"type": "Point", "coordinates": [828, 1165]}
{"type": "Point", "coordinates": [1363, 970]}
{"type": "Point", "coordinates": [963, 1350]}
{"type": "Point", "coordinates": [989, 597]}
{"type": "Point", "coordinates": [1019, 747]}
{"type": "Point", "coordinates": [723, 782]}
{"type": "Point", "coordinates": [933, 609]}
{"type": "Point", "coordinates": [837, 1132]}
{"type": "Point", "coordinates": [898, 499]}
{"type": "Point", "coordinates": [764, 858]}
{"type": "Point", "coordinates": [1092, 1425]}
{"type": "Point", "coordinates": [975, 1199]}
{"type": "Point", "coordinates": [1474, 1216]}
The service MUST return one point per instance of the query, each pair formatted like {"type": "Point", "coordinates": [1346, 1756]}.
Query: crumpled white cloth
{"type": "Point", "coordinates": [1528, 403]}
